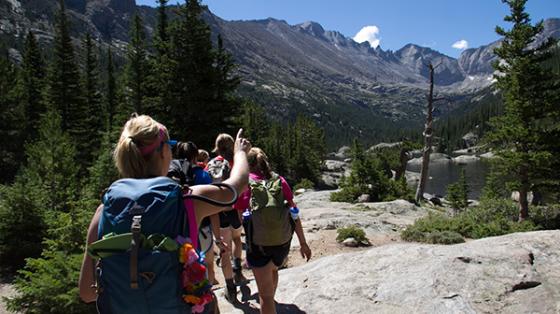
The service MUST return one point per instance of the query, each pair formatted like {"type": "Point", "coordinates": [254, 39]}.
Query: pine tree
{"type": "Point", "coordinates": [33, 70]}
{"type": "Point", "coordinates": [92, 100]}
{"type": "Point", "coordinates": [457, 193]}
{"type": "Point", "coordinates": [530, 110]}
{"type": "Point", "coordinates": [162, 37]}
{"type": "Point", "coordinates": [136, 67]}
{"type": "Point", "coordinates": [51, 164]}
{"type": "Point", "coordinates": [45, 186]}
{"type": "Point", "coordinates": [201, 93]}
{"type": "Point", "coordinates": [12, 120]}
{"type": "Point", "coordinates": [256, 126]}
{"type": "Point", "coordinates": [226, 83]}
{"type": "Point", "coordinates": [64, 92]}
{"type": "Point", "coordinates": [158, 78]}
{"type": "Point", "coordinates": [308, 148]}
{"type": "Point", "coordinates": [110, 102]}
{"type": "Point", "coordinates": [22, 225]}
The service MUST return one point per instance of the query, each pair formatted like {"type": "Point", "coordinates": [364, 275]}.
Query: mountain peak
{"type": "Point", "coordinates": [312, 28]}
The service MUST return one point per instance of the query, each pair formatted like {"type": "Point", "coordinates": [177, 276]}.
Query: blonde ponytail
{"type": "Point", "coordinates": [139, 131]}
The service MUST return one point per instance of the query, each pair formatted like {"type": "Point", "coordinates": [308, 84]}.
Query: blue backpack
{"type": "Point", "coordinates": [139, 269]}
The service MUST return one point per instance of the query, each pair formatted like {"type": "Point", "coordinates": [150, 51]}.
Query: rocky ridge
{"type": "Point", "coordinates": [291, 69]}
{"type": "Point", "coordinates": [516, 273]}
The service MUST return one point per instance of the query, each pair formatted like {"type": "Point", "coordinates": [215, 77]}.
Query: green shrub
{"type": "Point", "coordinates": [547, 217]}
{"type": "Point", "coordinates": [493, 217]}
{"type": "Point", "coordinates": [444, 237]}
{"type": "Point", "coordinates": [412, 234]}
{"type": "Point", "coordinates": [457, 193]}
{"type": "Point", "coordinates": [351, 232]}
{"type": "Point", "coordinates": [348, 194]}
{"type": "Point", "coordinates": [399, 190]}
{"type": "Point", "coordinates": [304, 184]}
{"type": "Point", "coordinates": [370, 175]}
{"type": "Point", "coordinates": [49, 284]}
{"type": "Point", "coordinates": [22, 227]}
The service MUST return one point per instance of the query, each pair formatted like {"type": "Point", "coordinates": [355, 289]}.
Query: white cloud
{"type": "Point", "coordinates": [461, 44]}
{"type": "Point", "coordinates": [369, 34]}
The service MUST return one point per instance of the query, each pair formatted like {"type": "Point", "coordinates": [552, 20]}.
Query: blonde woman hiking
{"type": "Point", "coordinates": [144, 233]}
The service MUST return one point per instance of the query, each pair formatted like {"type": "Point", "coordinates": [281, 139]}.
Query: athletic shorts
{"type": "Point", "coordinates": [259, 256]}
{"type": "Point", "coordinates": [229, 219]}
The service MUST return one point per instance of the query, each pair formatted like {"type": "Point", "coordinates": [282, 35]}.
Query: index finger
{"type": "Point", "coordinates": [240, 133]}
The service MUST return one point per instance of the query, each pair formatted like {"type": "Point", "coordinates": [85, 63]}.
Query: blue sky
{"type": "Point", "coordinates": [439, 24]}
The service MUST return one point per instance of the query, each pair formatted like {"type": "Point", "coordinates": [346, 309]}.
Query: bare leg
{"type": "Point", "coordinates": [265, 283]}
{"type": "Point", "coordinates": [274, 277]}
{"type": "Point", "coordinates": [210, 265]}
{"type": "Point", "coordinates": [226, 256]}
{"type": "Point", "coordinates": [238, 248]}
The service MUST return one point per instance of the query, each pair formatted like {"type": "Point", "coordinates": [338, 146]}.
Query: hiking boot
{"type": "Point", "coordinates": [231, 294]}
{"type": "Point", "coordinates": [239, 279]}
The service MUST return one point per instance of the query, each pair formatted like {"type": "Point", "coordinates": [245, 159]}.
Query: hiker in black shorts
{"type": "Point", "coordinates": [270, 218]}
{"type": "Point", "coordinates": [230, 223]}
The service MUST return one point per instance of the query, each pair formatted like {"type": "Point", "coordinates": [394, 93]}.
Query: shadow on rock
{"type": "Point", "coordinates": [247, 307]}
{"type": "Point", "coordinates": [283, 308]}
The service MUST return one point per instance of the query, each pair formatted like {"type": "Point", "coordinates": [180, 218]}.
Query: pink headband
{"type": "Point", "coordinates": [146, 150]}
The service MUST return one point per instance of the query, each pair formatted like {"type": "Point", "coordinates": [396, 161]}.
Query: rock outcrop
{"type": "Point", "coordinates": [517, 273]}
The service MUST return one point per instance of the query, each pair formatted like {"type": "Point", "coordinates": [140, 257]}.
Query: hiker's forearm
{"type": "Point", "coordinates": [87, 274]}
{"type": "Point", "coordinates": [86, 281]}
{"type": "Point", "coordinates": [299, 232]}
{"type": "Point", "coordinates": [239, 177]}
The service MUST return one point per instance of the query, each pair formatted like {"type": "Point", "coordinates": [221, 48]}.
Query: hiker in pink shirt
{"type": "Point", "coordinates": [270, 218]}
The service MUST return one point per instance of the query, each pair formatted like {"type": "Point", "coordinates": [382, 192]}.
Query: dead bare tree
{"type": "Point", "coordinates": [428, 135]}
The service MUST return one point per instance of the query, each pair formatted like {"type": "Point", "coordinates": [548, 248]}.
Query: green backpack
{"type": "Point", "coordinates": [271, 223]}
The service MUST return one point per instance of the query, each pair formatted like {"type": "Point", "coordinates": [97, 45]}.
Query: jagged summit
{"type": "Point", "coordinates": [291, 69]}
{"type": "Point", "coordinates": [312, 28]}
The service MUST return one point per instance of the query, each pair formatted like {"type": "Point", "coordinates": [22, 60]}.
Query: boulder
{"type": "Point", "coordinates": [382, 146]}
{"type": "Point", "coordinates": [412, 178]}
{"type": "Point", "coordinates": [341, 154]}
{"type": "Point", "coordinates": [516, 273]}
{"type": "Point", "coordinates": [329, 181]}
{"type": "Point", "coordinates": [415, 153]}
{"type": "Point", "coordinates": [350, 242]}
{"type": "Point", "coordinates": [532, 198]}
{"type": "Point", "coordinates": [334, 165]}
{"type": "Point", "coordinates": [434, 158]}
{"type": "Point", "coordinates": [364, 198]}
{"type": "Point", "coordinates": [436, 201]}
{"type": "Point", "coordinates": [464, 159]}
{"type": "Point", "coordinates": [470, 139]}
{"type": "Point", "coordinates": [488, 155]}
{"type": "Point", "coordinates": [317, 211]}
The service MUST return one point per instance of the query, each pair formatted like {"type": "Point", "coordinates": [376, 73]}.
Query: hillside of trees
{"type": "Point", "coordinates": [62, 109]}
{"type": "Point", "coordinates": [475, 113]}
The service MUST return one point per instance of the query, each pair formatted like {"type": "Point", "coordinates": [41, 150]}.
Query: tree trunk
{"type": "Point", "coordinates": [523, 193]}
{"type": "Point", "coordinates": [428, 132]}
{"type": "Point", "coordinates": [403, 159]}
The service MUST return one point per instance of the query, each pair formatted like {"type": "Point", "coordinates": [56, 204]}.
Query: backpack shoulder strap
{"type": "Point", "coordinates": [191, 219]}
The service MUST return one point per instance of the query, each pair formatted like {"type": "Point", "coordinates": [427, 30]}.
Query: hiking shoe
{"type": "Point", "coordinates": [239, 279]}
{"type": "Point", "coordinates": [231, 294]}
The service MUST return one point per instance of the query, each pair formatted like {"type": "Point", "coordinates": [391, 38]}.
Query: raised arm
{"type": "Point", "coordinates": [238, 179]}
